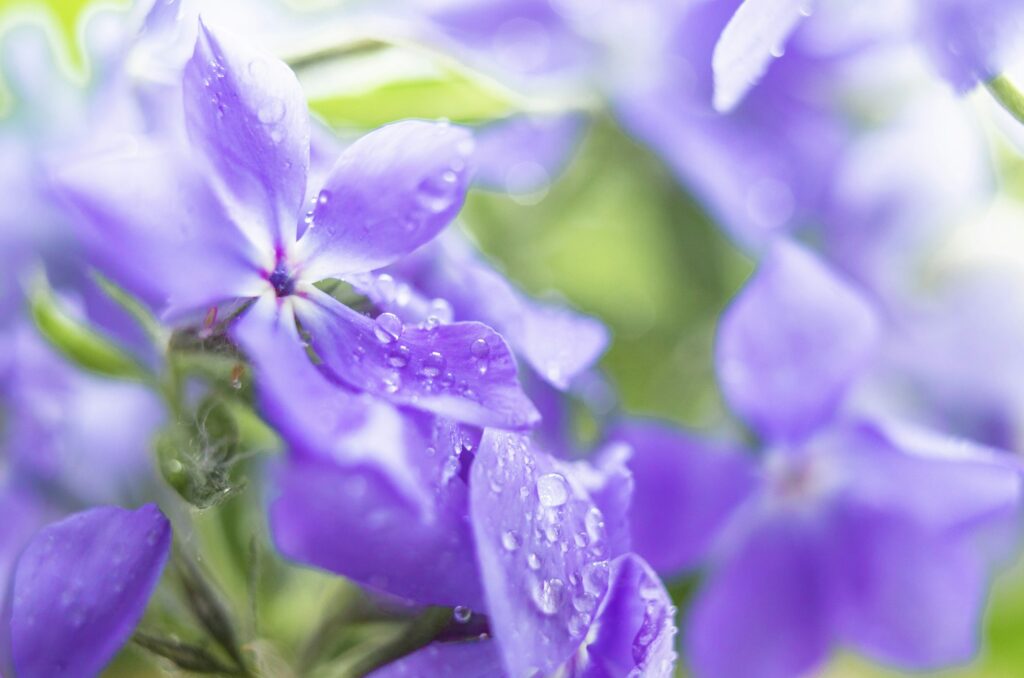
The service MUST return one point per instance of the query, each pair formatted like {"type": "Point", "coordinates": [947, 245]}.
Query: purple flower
{"type": "Point", "coordinates": [869, 534]}
{"type": "Point", "coordinates": [81, 586]}
{"type": "Point", "coordinates": [969, 40]}
{"type": "Point", "coordinates": [223, 218]}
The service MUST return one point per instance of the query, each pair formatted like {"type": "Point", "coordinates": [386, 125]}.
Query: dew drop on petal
{"type": "Point", "coordinates": [548, 595]}
{"type": "Point", "coordinates": [271, 111]}
{"type": "Point", "coordinates": [510, 540]}
{"type": "Point", "coordinates": [552, 490]}
{"type": "Point", "coordinates": [480, 349]}
{"type": "Point", "coordinates": [533, 562]}
{"type": "Point", "coordinates": [461, 614]}
{"type": "Point", "coordinates": [387, 328]}
{"type": "Point", "coordinates": [398, 357]}
{"type": "Point", "coordinates": [433, 365]}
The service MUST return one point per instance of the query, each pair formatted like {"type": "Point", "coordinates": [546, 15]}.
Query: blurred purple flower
{"type": "Point", "coordinates": [969, 40]}
{"type": "Point", "coordinates": [872, 535]}
{"type": "Point", "coordinates": [80, 587]}
{"type": "Point", "coordinates": [242, 232]}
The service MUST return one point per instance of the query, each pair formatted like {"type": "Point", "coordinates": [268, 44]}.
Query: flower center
{"type": "Point", "coordinates": [281, 280]}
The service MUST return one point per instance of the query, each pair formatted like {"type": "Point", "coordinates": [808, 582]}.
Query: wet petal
{"type": "Point", "coordinates": [366, 492]}
{"type": "Point", "coordinates": [543, 552]}
{"type": "Point", "coordinates": [755, 35]}
{"type": "Point", "coordinates": [768, 598]}
{"type": "Point", "coordinates": [464, 371]}
{"type": "Point", "coordinates": [246, 113]}
{"type": "Point", "coordinates": [634, 631]}
{"type": "Point", "coordinates": [183, 249]}
{"type": "Point", "coordinates": [685, 491]}
{"type": "Point", "coordinates": [473, 659]}
{"type": "Point", "coordinates": [907, 598]}
{"type": "Point", "coordinates": [390, 192]}
{"type": "Point", "coordinates": [81, 586]}
{"type": "Point", "coordinates": [791, 343]}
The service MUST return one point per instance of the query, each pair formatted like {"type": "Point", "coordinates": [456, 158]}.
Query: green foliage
{"type": "Point", "coordinates": [77, 341]}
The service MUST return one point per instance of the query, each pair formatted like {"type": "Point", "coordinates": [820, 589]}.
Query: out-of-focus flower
{"type": "Point", "coordinates": [868, 534]}
{"type": "Point", "coordinates": [80, 587]}
{"type": "Point", "coordinates": [244, 234]}
{"type": "Point", "coordinates": [970, 41]}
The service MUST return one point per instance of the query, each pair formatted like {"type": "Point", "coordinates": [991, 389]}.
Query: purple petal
{"type": "Point", "coordinates": [751, 40]}
{"type": "Point", "coordinates": [525, 154]}
{"type": "Point", "coordinates": [791, 342]}
{"type": "Point", "coordinates": [944, 485]}
{"type": "Point", "coordinates": [81, 586]}
{"type": "Point", "coordinates": [634, 631]}
{"type": "Point", "coordinates": [685, 491]}
{"type": "Point", "coordinates": [972, 41]}
{"type": "Point", "coordinates": [543, 552]}
{"type": "Point", "coordinates": [475, 659]}
{"type": "Point", "coordinates": [390, 192]}
{"type": "Point", "coordinates": [149, 221]}
{"type": "Point", "coordinates": [765, 612]}
{"type": "Point", "coordinates": [246, 113]}
{"type": "Point", "coordinates": [464, 371]}
{"type": "Point", "coordinates": [366, 492]}
{"type": "Point", "coordinates": [907, 597]}
{"type": "Point", "coordinates": [557, 342]}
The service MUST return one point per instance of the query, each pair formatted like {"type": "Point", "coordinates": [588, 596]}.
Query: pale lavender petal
{"type": "Point", "coordinates": [765, 611]}
{"type": "Point", "coordinates": [907, 598]}
{"type": "Point", "coordinates": [246, 114]}
{"type": "Point", "coordinates": [390, 192]}
{"type": "Point", "coordinates": [81, 586]}
{"type": "Point", "coordinates": [365, 492]}
{"type": "Point", "coordinates": [685, 491]}
{"type": "Point", "coordinates": [525, 154]}
{"type": "Point", "coordinates": [542, 550]}
{"type": "Point", "coordinates": [139, 229]}
{"type": "Point", "coordinates": [472, 659]}
{"type": "Point", "coordinates": [634, 631]}
{"type": "Point", "coordinates": [755, 35]}
{"type": "Point", "coordinates": [971, 41]}
{"type": "Point", "coordinates": [791, 343]}
{"type": "Point", "coordinates": [464, 371]}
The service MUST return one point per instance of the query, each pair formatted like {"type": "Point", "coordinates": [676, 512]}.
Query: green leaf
{"type": "Point", "coordinates": [369, 83]}
{"type": "Point", "coordinates": [78, 342]}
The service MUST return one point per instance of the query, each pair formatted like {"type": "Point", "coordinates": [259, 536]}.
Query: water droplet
{"type": "Point", "coordinates": [271, 111]}
{"type": "Point", "coordinates": [387, 328]}
{"type": "Point", "coordinates": [398, 357]}
{"type": "Point", "coordinates": [581, 539]}
{"type": "Point", "coordinates": [433, 365]}
{"type": "Point", "coordinates": [595, 576]}
{"type": "Point", "coordinates": [548, 595]}
{"type": "Point", "coordinates": [533, 561]}
{"type": "Point", "coordinates": [594, 522]}
{"type": "Point", "coordinates": [461, 614]}
{"type": "Point", "coordinates": [552, 490]}
{"type": "Point", "coordinates": [777, 51]}
{"type": "Point", "coordinates": [440, 313]}
{"type": "Point", "coordinates": [480, 349]}
{"type": "Point", "coordinates": [323, 197]}
{"type": "Point", "coordinates": [510, 540]}
{"type": "Point", "coordinates": [392, 383]}
{"type": "Point", "coordinates": [577, 625]}
{"type": "Point", "coordinates": [435, 194]}
{"type": "Point", "coordinates": [585, 602]}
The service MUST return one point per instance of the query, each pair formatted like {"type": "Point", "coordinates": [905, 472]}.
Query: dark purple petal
{"type": "Point", "coordinates": [634, 631]}
{"type": "Point", "coordinates": [748, 45]}
{"type": "Point", "coordinates": [908, 598]}
{"type": "Point", "coordinates": [81, 586]}
{"type": "Point", "coordinates": [246, 113]}
{"type": "Point", "coordinates": [390, 192]}
{"type": "Point", "coordinates": [473, 659]}
{"type": "Point", "coordinates": [150, 222]}
{"type": "Point", "coordinates": [366, 492]}
{"type": "Point", "coordinates": [765, 611]}
{"type": "Point", "coordinates": [543, 552]}
{"type": "Point", "coordinates": [464, 371]}
{"type": "Point", "coordinates": [685, 491]}
{"type": "Point", "coordinates": [791, 343]}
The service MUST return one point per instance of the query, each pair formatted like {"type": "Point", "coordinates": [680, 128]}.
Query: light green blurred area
{"type": "Point", "coordinates": [616, 237]}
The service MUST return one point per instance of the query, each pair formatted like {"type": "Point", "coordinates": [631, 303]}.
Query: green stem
{"type": "Point", "coordinates": [1008, 96]}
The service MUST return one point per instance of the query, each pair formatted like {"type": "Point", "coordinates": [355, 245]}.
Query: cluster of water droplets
{"type": "Point", "coordinates": [553, 534]}
{"type": "Point", "coordinates": [213, 84]}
